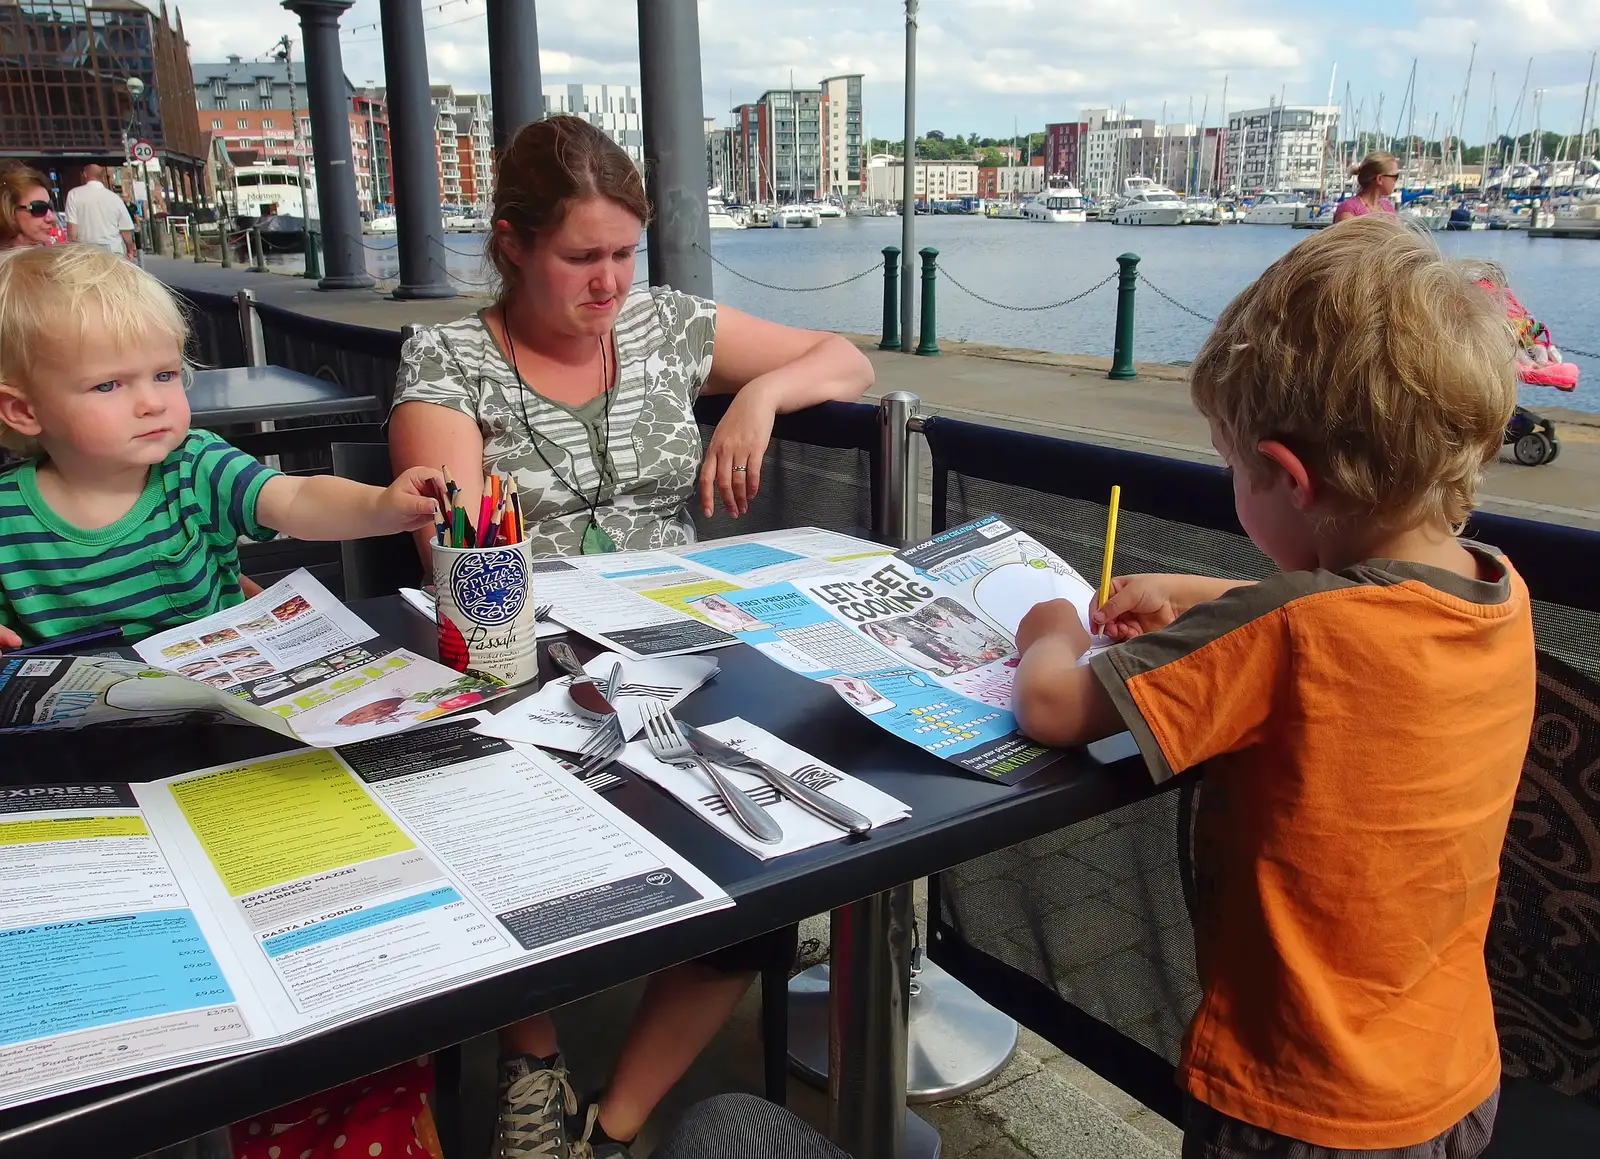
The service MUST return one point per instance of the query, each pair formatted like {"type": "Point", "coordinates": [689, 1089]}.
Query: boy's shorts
{"type": "Point", "coordinates": [1209, 1134]}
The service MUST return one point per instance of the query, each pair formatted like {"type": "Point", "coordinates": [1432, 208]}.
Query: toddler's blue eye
{"type": "Point", "coordinates": [106, 387]}
{"type": "Point", "coordinates": [167, 376]}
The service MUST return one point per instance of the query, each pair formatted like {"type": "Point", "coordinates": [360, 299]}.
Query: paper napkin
{"type": "Point", "coordinates": [801, 830]}
{"type": "Point", "coordinates": [549, 719]}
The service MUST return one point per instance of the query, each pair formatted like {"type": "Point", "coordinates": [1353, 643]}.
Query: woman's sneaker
{"type": "Point", "coordinates": [535, 1100]}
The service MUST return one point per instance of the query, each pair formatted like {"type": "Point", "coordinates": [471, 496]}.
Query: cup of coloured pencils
{"type": "Point", "coordinates": [482, 568]}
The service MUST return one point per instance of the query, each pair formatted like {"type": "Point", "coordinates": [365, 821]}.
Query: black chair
{"type": "Point", "coordinates": [382, 565]}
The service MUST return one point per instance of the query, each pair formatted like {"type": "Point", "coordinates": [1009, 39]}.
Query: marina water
{"type": "Point", "coordinates": [1019, 263]}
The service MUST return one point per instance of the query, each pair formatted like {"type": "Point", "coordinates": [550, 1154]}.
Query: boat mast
{"type": "Point", "coordinates": [1466, 91]}
{"type": "Point", "coordinates": [1222, 131]}
{"type": "Point", "coordinates": [1327, 128]}
{"type": "Point", "coordinates": [1488, 138]}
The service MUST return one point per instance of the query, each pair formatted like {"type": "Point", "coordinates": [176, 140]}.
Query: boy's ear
{"type": "Point", "coordinates": [16, 411]}
{"type": "Point", "coordinates": [1302, 491]}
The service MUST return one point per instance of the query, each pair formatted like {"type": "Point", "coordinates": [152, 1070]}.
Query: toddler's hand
{"type": "Point", "coordinates": [9, 639]}
{"type": "Point", "coordinates": [1052, 618]}
{"type": "Point", "coordinates": [1138, 604]}
{"type": "Point", "coordinates": [409, 502]}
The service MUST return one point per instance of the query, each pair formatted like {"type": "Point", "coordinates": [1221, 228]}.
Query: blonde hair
{"type": "Point", "coordinates": [1388, 369]}
{"type": "Point", "coordinates": [1371, 166]}
{"type": "Point", "coordinates": [16, 182]}
{"type": "Point", "coordinates": [52, 296]}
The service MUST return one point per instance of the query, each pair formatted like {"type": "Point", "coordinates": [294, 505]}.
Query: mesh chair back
{"type": "Point", "coordinates": [214, 336]}
{"type": "Point", "coordinates": [1085, 934]}
{"type": "Point", "coordinates": [364, 358]}
{"type": "Point", "coordinates": [382, 565]}
{"type": "Point", "coordinates": [819, 471]}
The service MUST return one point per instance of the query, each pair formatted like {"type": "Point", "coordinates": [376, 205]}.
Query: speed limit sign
{"type": "Point", "coordinates": [142, 151]}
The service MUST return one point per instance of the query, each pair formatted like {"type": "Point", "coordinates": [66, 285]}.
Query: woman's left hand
{"type": "Point", "coordinates": [732, 466]}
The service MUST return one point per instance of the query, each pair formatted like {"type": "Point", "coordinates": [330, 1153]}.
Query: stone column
{"type": "Point", "coordinates": [344, 267]}
{"type": "Point", "coordinates": [674, 145]}
{"type": "Point", "coordinates": [413, 166]}
{"type": "Point", "coordinates": [514, 85]}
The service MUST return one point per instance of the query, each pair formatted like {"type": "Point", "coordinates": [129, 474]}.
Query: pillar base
{"type": "Point", "coordinates": [346, 282]}
{"type": "Point", "coordinates": [956, 1040]}
{"type": "Point", "coordinates": [427, 290]}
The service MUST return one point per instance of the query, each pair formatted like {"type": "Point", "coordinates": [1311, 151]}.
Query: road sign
{"type": "Point", "coordinates": [141, 151]}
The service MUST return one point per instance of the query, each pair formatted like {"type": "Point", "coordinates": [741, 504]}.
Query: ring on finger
{"type": "Point", "coordinates": [741, 468]}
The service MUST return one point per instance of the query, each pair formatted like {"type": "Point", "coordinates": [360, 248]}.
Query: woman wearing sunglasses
{"type": "Point", "coordinates": [27, 217]}
{"type": "Point", "coordinates": [1376, 178]}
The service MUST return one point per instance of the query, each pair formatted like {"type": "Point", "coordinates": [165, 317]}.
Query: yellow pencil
{"type": "Point", "coordinates": [1111, 545]}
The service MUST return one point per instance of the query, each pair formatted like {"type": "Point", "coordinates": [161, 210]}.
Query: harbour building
{"type": "Point", "coordinates": [1281, 147]}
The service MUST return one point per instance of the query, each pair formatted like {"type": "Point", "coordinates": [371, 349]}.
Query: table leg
{"type": "Point", "coordinates": [867, 1011]}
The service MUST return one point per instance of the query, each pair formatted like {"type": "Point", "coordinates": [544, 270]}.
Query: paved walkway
{"type": "Point", "coordinates": [1066, 395]}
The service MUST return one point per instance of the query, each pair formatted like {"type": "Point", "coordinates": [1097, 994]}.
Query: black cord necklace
{"type": "Point", "coordinates": [596, 540]}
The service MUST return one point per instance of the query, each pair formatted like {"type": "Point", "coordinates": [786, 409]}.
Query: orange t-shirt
{"type": "Point", "coordinates": [1363, 733]}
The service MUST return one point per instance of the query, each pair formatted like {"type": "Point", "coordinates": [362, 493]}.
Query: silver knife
{"type": "Point", "coordinates": [801, 794]}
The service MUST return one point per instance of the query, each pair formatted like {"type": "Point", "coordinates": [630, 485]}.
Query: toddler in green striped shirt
{"type": "Point", "coordinates": [120, 515]}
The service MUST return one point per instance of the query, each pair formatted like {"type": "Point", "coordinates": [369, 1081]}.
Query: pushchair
{"type": "Point", "coordinates": [1531, 436]}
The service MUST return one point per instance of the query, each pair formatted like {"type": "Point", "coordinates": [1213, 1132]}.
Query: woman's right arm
{"type": "Point", "coordinates": [425, 434]}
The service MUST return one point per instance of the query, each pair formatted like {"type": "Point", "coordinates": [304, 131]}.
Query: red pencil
{"type": "Point", "coordinates": [484, 510]}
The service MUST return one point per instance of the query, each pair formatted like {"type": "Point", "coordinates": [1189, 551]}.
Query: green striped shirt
{"type": "Point", "coordinates": [171, 559]}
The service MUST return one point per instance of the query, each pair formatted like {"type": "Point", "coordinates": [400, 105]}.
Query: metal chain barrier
{"type": "Point", "coordinates": [1106, 281]}
{"type": "Point", "coordinates": [874, 268]}
{"type": "Point", "coordinates": [1566, 350]}
{"type": "Point", "coordinates": [1170, 300]}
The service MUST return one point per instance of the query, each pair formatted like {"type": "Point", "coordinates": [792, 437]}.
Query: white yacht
{"type": "Point", "coordinates": [1060, 203]}
{"type": "Point", "coordinates": [383, 224]}
{"type": "Point", "coordinates": [1276, 207]}
{"type": "Point", "coordinates": [263, 190]}
{"type": "Point", "coordinates": [795, 217]}
{"type": "Point", "coordinates": [1144, 202]}
{"type": "Point", "coordinates": [1201, 211]}
{"type": "Point", "coordinates": [825, 208]}
{"type": "Point", "coordinates": [718, 213]}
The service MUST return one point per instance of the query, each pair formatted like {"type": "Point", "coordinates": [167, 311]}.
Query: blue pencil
{"type": "Point", "coordinates": [63, 643]}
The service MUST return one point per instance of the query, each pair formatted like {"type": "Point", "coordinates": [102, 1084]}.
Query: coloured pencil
{"type": "Point", "coordinates": [519, 531]}
{"type": "Point", "coordinates": [1111, 545]}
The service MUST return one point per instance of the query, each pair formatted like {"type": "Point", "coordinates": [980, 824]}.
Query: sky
{"type": "Point", "coordinates": [986, 65]}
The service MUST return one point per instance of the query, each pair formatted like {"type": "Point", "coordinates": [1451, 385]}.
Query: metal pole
{"type": "Point", "coordinates": [515, 88]}
{"type": "Point", "coordinates": [1122, 342]}
{"type": "Point", "coordinates": [908, 200]}
{"type": "Point", "coordinates": [891, 298]}
{"type": "Point", "coordinates": [871, 958]}
{"type": "Point", "coordinates": [930, 273]}
{"type": "Point", "coordinates": [894, 520]}
{"type": "Point", "coordinates": [255, 340]}
{"type": "Point", "coordinates": [674, 145]}
{"type": "Point", "coordinates": [414, 175]}
{"type": "Point", "coordinates": [339, 210]}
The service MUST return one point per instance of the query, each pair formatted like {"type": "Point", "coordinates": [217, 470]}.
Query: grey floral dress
{"type": "Point", "coordinates": [633, 460]}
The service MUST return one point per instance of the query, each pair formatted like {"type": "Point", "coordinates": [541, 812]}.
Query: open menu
{"type": "Point", "coordinates": [292, 659]}
{"type": "Point", "coordinates": [149, 926]}
{"type": "Point", "coordinates": [671, 601]}
{"type": "Point", "coordinates": [923, 642]}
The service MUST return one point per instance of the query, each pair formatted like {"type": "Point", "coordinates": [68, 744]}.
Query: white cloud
{"type": "Point", "coordinates": [983, 62]}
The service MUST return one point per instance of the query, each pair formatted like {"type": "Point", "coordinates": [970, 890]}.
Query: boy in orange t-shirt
{"type": "Point", "coordinates": [1361, 716]}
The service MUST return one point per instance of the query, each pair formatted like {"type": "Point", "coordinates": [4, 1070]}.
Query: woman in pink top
{"type": "Point", "coordinates": [1375, 180]}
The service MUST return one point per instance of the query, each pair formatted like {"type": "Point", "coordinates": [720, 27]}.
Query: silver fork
{"type": "Point", "coordinates": [611, 727]}
{"type": "Point", "coordinates": [542, 612]}
{"type": "Point", "coordinates": [667, 743]}
{"type": "Point", "coordinates": [598, 755]}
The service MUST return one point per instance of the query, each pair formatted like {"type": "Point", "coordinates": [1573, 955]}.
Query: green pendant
{"type": "Point", "coordinates": [596, 541]}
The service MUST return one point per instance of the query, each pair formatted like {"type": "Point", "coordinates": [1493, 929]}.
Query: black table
{"type": "Point", "coordinates": [261, 394]}
{"type": "Point", "coordinates": [954, 817]}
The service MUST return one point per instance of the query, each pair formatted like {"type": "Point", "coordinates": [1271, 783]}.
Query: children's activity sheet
{"type": "Point", "coordinates": [672, 601]}
{"type": "Point", "coordinates": [923, 642]}
{"type": "Point", "coordinates": [292, 659]}
{"type": "Point", "coordinates": [235, 908]}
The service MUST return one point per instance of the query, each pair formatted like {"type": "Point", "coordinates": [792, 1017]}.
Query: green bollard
{"type": "Point", "coordinates": [1122, 344]}
{"type": "Point", "coordinates": [313, 264]}
{"type": "Point", "coordinates": [930, 271]}
{"type": "Point", "coordinates": [891, 298]}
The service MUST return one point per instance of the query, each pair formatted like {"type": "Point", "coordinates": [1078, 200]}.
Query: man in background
{"type": "Point", "coordinates": [99, 216]}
